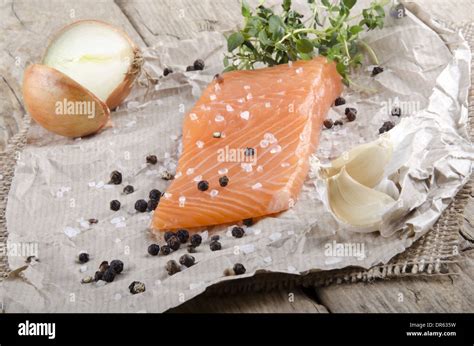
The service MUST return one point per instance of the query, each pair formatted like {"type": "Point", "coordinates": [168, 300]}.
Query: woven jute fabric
{"type": "Point", "coordinates": [432, 254]}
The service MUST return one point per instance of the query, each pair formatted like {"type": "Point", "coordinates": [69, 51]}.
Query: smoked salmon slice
{"type": "Point", "coordinates": [254, 130]}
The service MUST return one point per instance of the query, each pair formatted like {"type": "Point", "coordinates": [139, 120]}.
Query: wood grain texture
{"type": "Point", "coordinates": [293, 301]}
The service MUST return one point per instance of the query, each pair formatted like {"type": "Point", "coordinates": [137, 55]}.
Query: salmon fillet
{"type": "Point", "coordinates": [258, 129]}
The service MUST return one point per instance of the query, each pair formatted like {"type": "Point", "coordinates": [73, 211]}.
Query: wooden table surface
{"type": "Point", "coordinates": [25, 27]}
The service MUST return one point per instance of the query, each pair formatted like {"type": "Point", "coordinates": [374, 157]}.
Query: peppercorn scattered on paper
{"type": "Point", "coordinates": [400, 181]}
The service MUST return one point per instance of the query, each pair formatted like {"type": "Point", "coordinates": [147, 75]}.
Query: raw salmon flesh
{"type": "Point", "coordinates": [258, 129]}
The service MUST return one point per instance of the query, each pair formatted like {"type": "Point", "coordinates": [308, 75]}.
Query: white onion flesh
{"type": "Point", "coordinates": [94, 55]}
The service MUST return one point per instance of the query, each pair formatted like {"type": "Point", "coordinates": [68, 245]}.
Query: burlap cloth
{"type": "Point", "coordinates": [430, 255]}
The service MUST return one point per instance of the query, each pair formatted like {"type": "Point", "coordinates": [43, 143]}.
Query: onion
{"type": "Point", "coordinates": [89, 67]}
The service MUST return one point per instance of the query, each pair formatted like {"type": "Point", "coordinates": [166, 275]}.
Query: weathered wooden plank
{"type": "Point", "coordinates": [293, 301]}
{"type": "Point", "coordinates": [161, 21]}
{"type": "Point", "coordinates": [451, 293]}
{"type": "Point", "coordinates": [25, 30]}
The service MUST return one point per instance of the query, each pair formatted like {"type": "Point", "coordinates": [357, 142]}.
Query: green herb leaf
{"type": "Point", "coordinates": [349, 3]}
{"type": "Point", "coordinates": [304, 46]}
{"type": "Point", "coordinates": [276, 38]}
{"type": "Point", "coordinates": [234, 41]}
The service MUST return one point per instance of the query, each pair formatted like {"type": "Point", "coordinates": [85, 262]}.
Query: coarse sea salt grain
{"type": "Point", "coordinates": [83, 269]}
{"type": "Point", "coordinates": [249, 96]}
{"type": "Point", "coordinates": [182, 201]}
{"type": "Point", "coordinates": [189, 171]}
{"type": "Point", "coordinates": [117, 219]}
{"type": "Point", "coordinates": [260, 168]}
{"type": "Point", "coordinates": [177, 175]}
{"type": "Point", "coordinates": [241, 100]}
{"type": "Point", "coordinates": [229, 108]}
{"type": "Point", "coordinates": [247, 248]}
{"type": "Point", "coordinates": [92, 184]}
{"type": "Point", "coordinates": [71, 232]}
{"type": "Point", "coordinates": [100, 184]}
{"type": "Point", "coordinates": [200, 144]}
{"type": "Point", "coordinates": [299, 70]}
{"type": "Point", "coordinates": [264, 143]}
{"type": "Point", "coordinates": [247, 167]}
{"type": "Point", "coordinates": [214, 193]}
{"type": "Point", "coordinates": [219, 118]}
{"type": "Point", "coordinates": [245, 115]}
{"type": "Point", "coordinates": [197, 178]}
{"type": "Point", "coordinates": [167, 195]}
{"type": "Point", "coordinates": [275, 236]}
{"type": "Point", "coordinates": [276, 149]}
{"type": "Point", "coordinates": [223, 171]}
{"type": "Point", "coordinates": [285, 164]}
{"type": "Point", "coordinates": [193, 116]}
{"type": "Point", "coordinates": [256, 186]}
{"type": "Point", "coordinates": [213, 97]}
{"type": "Point", "coordinates": [267, 259]}
{"type": "Point", "coordinates": [291, 269]}
{"type": "Point", "coordinates": [247, 87]}
{"type": "Point", "coordinates": [268, 104]}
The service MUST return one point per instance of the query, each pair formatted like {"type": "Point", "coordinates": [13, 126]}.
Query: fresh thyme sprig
{"type": "Point", "coordinates": [272, 39]}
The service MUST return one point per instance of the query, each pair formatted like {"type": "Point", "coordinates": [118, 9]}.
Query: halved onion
{"type": "Point", "coordinates": [87, 61]}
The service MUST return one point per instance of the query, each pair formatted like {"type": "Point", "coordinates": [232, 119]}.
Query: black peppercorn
{"type": "Point", "coordinates": [249, 152]}
{"type": "Point", "coordinates": [196, 240]}
{"type": "Point", "coordinates": [109, 275]}
{"type": "Point", "coordinates": [141, 205]}
{"type": "Point", "coordinates": [377, 70]}
{"type": "Point", "coordinates": [116, 266]}
{"type": "Point", "coordinates": [165, 250]}
{"type": "Point", "coordinates": [83, 257]}
{"type": "Point", "coordinates": [115, 178]}
{"type": "Point", "coordinates": [93, 221]}
{"type": "Point", "coordinates": [223, 181]}
{"type": "Point", "coordinates": [199, 65]}
{"type": "Point", "coordinates": [190, 68]}
{"type": "Point", "coordinates": [174, 243]}
{"type": "Point", "coordinates": [215, 245]}
{"type": "Point", "coordinates": [167, 71]}
{"type": "Point", "coordinates": [115, 205]}
{"type": "Point", "coordinates": [396, 112]}
{"type": "Point", "coordinates": [248, 222]}
{"type": "Point", "coordinates": [128, 189]}
{"type": "Point", "coordinates": [98, 275]}
{"type": "Point", "coordinates": [168, 235]}
{"type": "Point", "coordinates": [155, 194]}
{"type": "Point", "coordinates": [104, 266]}
{"type": "Point", "coordinates": [339, 101]}
{"type": "Point", "coordinates": [154, 249]}
{"type": "Point", "coordinates": [203, 185]}
{"type": "Point", "coordinates": [219, 78]}
{"type": "Point", "coordinates": [136, 287]}
{"type": "Point", "coordinates": [387, 126]}
{"type": "Point", "coordinates": [215, 237]}
{"type": "Point", "coordinates": [328, 123]}
{"type": "Point", "coordinates": [172, 267]}
{"type": "Point", "coordinates": [152, 204]}
{"type": "Point", "coordinates": [239, 269]}
{"type": "Point", "coordinates": [338, 123]}
{"type": "Point", "coordinates": [238, 232]}
{"type": "Point", "coordinates": [183, 235]}
{"type": "Point", "coordinates": [187, 260]}
{"type": "Point", "coordinates": [151, 159]}
{"type": "Point", "coordinates": [351, 114]}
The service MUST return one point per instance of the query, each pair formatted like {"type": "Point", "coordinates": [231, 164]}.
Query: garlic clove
{"type": "Point", "coordinates": [365, 163]}
{"type": "Point", "coordinates": [356, 204]}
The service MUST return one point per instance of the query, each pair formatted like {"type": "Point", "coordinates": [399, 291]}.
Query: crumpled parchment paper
{"type": "Point", "coordinates": [60, 183]}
